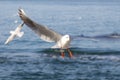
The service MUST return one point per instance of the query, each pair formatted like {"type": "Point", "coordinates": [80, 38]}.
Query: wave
{"type": "Point", "coordinates": [84, 51]}
{"type": "Point", "coordinates": [76, 51]}
{"type": "Point", "coordinates": [35, 56]}
{"type": "Point", "coordinates": [105, 36]}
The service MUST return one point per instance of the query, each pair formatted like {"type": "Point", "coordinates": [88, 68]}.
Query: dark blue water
{"type": "Point", "coordinates": [95, 31]}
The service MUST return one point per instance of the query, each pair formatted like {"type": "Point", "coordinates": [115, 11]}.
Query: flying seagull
{"type": "Point", "coordinates": [15, 33]}
{"type": "Point", "coordinates": [48, 35]}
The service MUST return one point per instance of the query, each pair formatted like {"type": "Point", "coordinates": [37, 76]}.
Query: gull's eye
{"type": "Point", "coordinates": [67, 37]}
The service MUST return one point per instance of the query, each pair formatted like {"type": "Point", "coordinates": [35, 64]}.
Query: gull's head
{"type": "Point", "coordinates": [66, 38]}
{"type": "Point", "coordinates": [64, 42]}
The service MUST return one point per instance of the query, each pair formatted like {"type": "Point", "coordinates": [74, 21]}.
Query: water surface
{"type": "Point", "coordinates": [94, 29]}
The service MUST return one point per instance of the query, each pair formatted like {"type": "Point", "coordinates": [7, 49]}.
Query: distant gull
{"type": "Point", "coordinates": [15, 33]}
{"type": "Point", "coordinates": [46, 34]}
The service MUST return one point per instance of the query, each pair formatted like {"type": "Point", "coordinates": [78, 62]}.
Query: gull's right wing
{"type": "Point", "coordinates": [44, 33]}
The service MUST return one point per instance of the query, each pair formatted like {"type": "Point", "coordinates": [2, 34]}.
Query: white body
{"type": "Point", "coordinates": [63, 43]}
{"type": "Point", "coordinates": [15, 33]}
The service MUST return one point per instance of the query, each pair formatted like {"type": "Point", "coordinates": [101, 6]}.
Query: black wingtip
{"type": "Point", "coordinates": [21, 11]}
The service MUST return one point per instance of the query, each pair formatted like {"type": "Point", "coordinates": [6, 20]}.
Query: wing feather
{"type": "Point", "coordinates": [44, 33]}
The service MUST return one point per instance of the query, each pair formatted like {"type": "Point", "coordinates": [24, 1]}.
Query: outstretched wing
{"type": "Point", "coordinates": [44, 33]}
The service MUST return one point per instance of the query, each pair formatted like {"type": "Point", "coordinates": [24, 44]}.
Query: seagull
{"type": "Point", "coordinates": [46, 34]}
{"type": "Point", "coordinates": [15, 33]}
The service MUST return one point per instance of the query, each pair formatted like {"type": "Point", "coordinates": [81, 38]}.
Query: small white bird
{"type": "Point", "coordinates": [46, 34]}
{"type": "Point", "coordinates": [15, 33]}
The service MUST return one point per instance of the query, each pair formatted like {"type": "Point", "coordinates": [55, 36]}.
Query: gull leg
{"type": "Point", "coordinates": [70, 53]}
{"type": "Point", "coordinates": [62, 54]}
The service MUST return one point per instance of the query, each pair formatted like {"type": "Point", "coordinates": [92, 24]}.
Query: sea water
{"type": "Point", "coordinates": [94, 27]}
